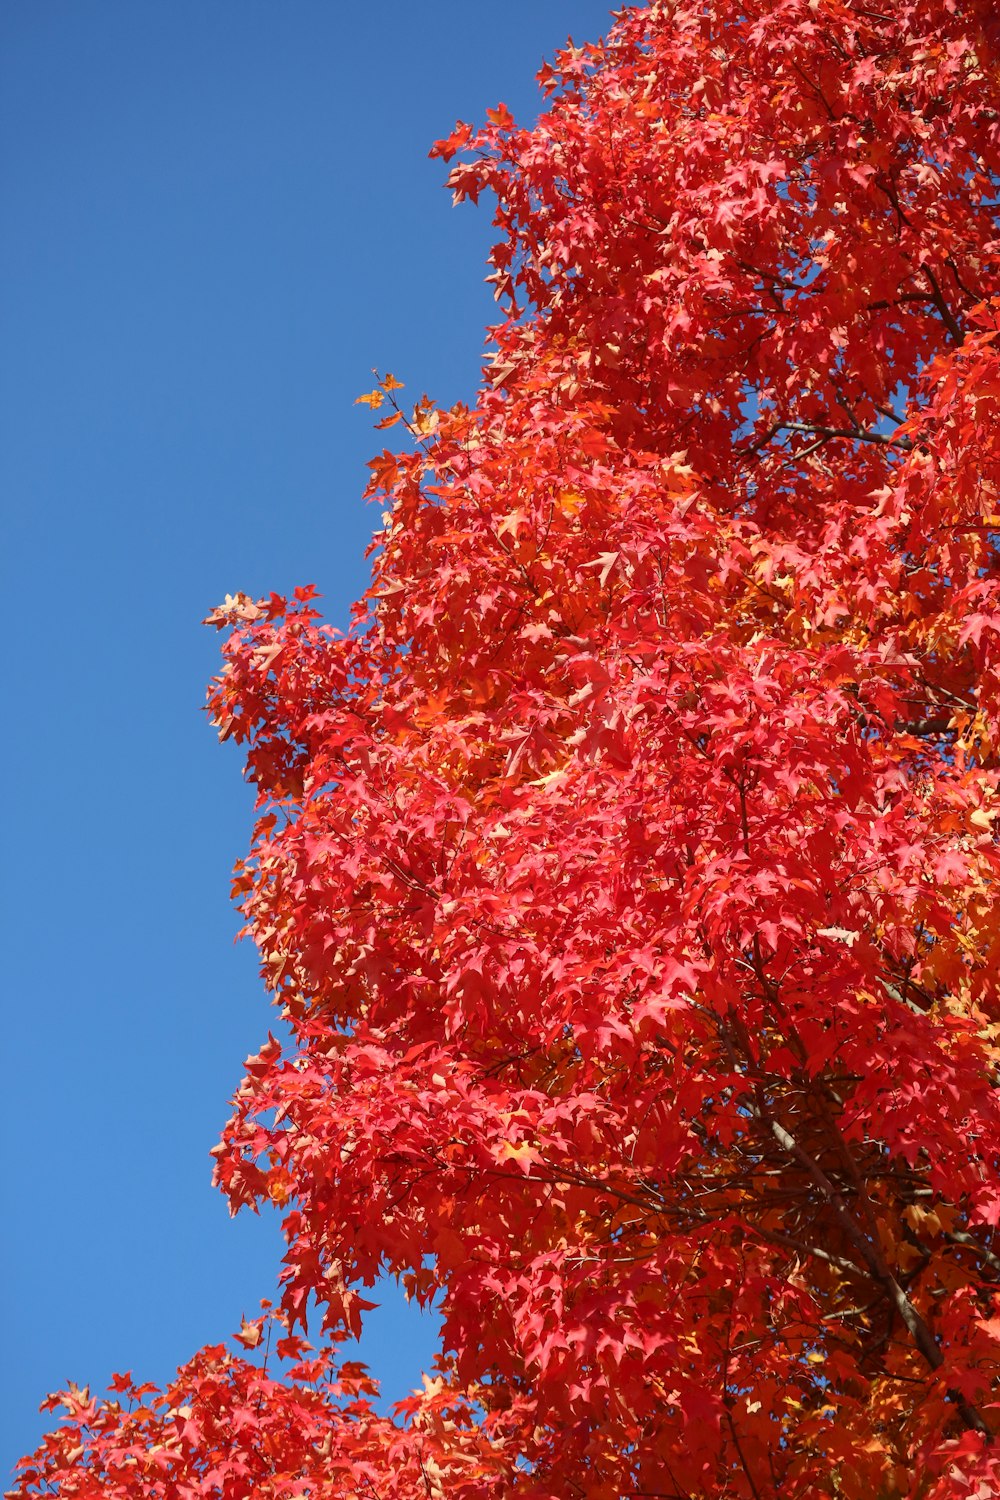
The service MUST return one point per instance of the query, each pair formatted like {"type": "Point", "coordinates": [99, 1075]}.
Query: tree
{"type": "Point", "coordinates": [626, 873]}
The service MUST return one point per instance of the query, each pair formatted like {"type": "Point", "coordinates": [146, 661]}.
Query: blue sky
{"type": "Point", "coordinates": [217, 218]}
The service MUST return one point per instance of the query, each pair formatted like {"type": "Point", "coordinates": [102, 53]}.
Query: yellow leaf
{"type": "Point", "coordinates": [914, 1216]}
{"type": "Point", "coordinates": [524, 1155]}
{"type": "Point", "coordinates": [278, 1192]}
{"type": "Point", "coordinates": [571, 503]}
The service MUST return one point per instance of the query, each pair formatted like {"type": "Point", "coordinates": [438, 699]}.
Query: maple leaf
{"type": "Point", "coordinates": [512, 523]}
{"type": "Point", "coordinates": [373, 399]}
{"type": "Point", "coordinates": [251, 1332]}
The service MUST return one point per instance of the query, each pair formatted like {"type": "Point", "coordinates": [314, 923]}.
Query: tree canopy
{"type": "Point", "coordinates": [626, 872]}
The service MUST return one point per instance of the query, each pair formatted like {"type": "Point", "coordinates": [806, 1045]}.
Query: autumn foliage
{"type": "Point", "coordinates": [627, 873]}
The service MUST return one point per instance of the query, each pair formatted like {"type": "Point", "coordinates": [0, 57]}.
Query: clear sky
{"type": "Point", "coordinates": [218, 215]}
